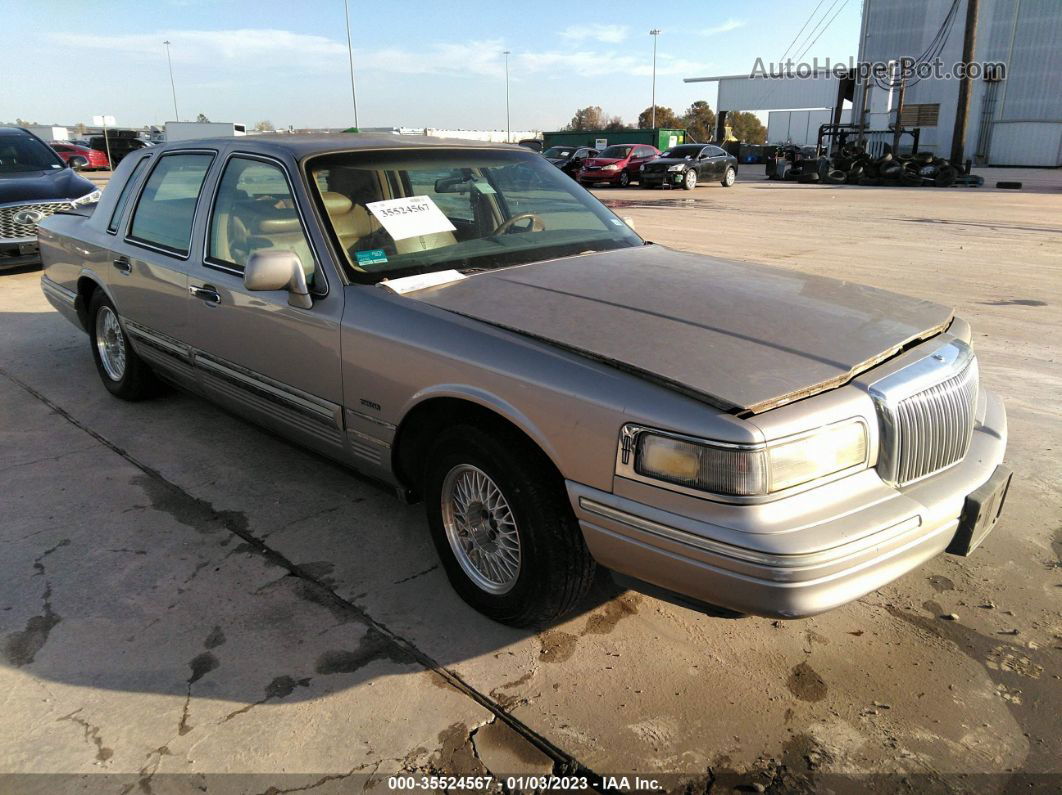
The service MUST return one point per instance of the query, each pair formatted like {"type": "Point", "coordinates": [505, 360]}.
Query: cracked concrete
{"type": "Point", "coordinates": [184, 594]}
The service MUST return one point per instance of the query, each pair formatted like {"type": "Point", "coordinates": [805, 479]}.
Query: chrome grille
{"type": "Point", "coordinates": [927, 414]}
{"type": "Point", "coordinates": [10, 228]}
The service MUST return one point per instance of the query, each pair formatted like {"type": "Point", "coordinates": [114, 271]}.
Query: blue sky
{"type": "Point", "coordinates": [417, 63]}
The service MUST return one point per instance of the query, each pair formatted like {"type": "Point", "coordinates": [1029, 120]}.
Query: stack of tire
{"type": "Point", "coordinates": [854, 166]}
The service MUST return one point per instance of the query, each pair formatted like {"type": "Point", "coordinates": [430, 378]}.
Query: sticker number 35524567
{"type": "Point", "coordinates": [410, 217]}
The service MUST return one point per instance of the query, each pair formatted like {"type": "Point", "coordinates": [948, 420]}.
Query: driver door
{"type": "Point", "coordinates": [253, 351]}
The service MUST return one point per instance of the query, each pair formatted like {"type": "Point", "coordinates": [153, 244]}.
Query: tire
{"type": "Point", "coordinates": [124, 374]}
{"type": "Point", "coordinates": [689, 179]}
{"type": "Point", "coordinates": [729, 177]}
{"type": "Point", "coordinates": [78, 163]}
{"type": "Point", "coordinates": [624, 179]}
{"type": "Point", "coordinates": [836, 177]}
{"type": "Point", "coordinates": [891, 170]}
{"type": "Point", "coordinates": [946, 176]}
{"type": "Point", "coordinates": [554, 569]}
{"type": "Point", "coordinates": [809, 178]}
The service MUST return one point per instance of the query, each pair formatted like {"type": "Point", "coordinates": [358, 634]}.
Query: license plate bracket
{"type": "Point", "coordinates": [980, 512]}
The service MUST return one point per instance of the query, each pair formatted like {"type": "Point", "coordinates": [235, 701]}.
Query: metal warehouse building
{"type": "Point", "coordinates": [1013, 118]}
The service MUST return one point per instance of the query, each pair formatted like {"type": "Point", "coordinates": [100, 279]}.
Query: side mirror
{"type": "Point", "coordinates": [278, 270]}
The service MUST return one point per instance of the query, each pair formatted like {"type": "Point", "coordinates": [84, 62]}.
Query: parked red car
{"type": "Point", "coordinates": [80, 157]}
{"type": "Point", "coordinates": [617, 165]}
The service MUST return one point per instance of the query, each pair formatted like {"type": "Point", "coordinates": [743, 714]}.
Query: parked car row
{"type": "Point", "coordinates": [683, 166]}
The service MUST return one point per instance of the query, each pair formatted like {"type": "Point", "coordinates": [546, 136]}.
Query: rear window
{"type": "Point", "coordinates": [123, 197]}
{"type": "Point", "coordinates": [164, 214]}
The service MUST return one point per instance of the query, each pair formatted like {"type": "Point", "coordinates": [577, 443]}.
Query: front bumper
{"type": "Point", "coordinates": [773, 576]}
{"type": "Point", "coordinates": [657, 178]}
{"type": "Point", "coordinates": [594, 177]}
{"type": "Point", "coordinates": [17, 253]}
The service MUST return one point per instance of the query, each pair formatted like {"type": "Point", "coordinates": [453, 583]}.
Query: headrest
{"type": "Point", "coordinates": [336, 203]}
{"type": "Point", "coordinates": [274, 226]}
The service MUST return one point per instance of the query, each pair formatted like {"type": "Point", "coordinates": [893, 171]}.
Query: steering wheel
{"type": "Point", "coordinates": [537, 225]}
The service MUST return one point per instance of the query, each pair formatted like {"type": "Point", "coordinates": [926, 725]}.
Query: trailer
{"type": "Point", "coordinates": [194, 130]}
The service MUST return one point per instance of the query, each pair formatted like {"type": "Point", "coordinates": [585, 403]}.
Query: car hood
{"type": "Point", "coordinates": [57, 184]}
{"type": "Point", "coordinates": [604, 161]}
{"type": "Point", "coordinates": [739, 336]}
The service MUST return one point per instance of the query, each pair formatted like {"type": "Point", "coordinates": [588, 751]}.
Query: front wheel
{"type": "Point", "coordinates": [689, 182]}
{"type": "Point", "coordinates": [123, 372]}
{"type": "Point", "coordinates": [730, 177]}
{"type": "Point", "coordinates": [503, 528]}
{"type": "Point", "coordinates": [624, 179]}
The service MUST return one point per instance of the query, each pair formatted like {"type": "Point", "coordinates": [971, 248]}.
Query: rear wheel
{"type": "Point", "coordinates": [689, 181]}
{"type": "Point", "coordinates": [503, 528]}
{"type": "Point", "coordinates": [123, 372]}
{"type": "Point", "coordinates": [729, 177]}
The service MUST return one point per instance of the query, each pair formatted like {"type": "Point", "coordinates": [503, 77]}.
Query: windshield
{"type": "Point", "coordinates": [615, 152]}
{"type": "Point", "coordinates": [404, 213]}
{"type": "Point", "coordinates": [682, 151]}
{"type": "Point", "coordinates": [22, 153]}
{"type": "Point", "coordinates": [559, 151]}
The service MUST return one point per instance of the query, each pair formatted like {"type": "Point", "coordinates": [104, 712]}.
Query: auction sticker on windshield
{"type": "Point", "coordinates": [410, 217]}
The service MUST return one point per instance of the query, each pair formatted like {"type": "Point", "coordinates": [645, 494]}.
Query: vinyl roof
{"type": "Point", "coordinates": [300, 146]}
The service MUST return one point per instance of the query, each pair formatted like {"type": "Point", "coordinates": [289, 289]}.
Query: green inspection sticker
{"type": "Point", "coordinates": [374, 256]}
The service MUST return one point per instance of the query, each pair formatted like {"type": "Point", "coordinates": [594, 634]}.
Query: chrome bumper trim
{"type": "Point", "coordinates": [803, 560]}
{"type": "Point", "coordinates": [57, 291]}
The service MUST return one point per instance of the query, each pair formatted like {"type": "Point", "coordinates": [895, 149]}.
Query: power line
{"type": "Point", "coordinates": [799, 32]}
{"type": "Point", "coordinates": [843, 3]}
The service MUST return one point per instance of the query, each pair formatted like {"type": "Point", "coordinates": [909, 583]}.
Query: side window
{"type": "Point", "coordinates": [124, 196]}
{"type": "Point", "coordinates": [164, 214]}
{"type": "Point", "coordinates": [715, 151]}
{"type": "Point", "coordinates": [255, 210]}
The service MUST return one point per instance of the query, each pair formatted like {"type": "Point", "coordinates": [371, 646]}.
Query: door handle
{"type": "Point", "coordinates": [123, 265]}
{"type": "Point", "coordinates": [205, 293]}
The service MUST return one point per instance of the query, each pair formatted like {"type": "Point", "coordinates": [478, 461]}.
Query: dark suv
{"type": "Point", "coordinates": [34, 183]}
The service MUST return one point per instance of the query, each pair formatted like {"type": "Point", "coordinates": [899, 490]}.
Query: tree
{"type": "Point", "coordinates": [588, 118]}
{"type": "Point", "coordinates": [201, 118]}
{"type": "Point", "coordinates": [265, 126]}
{"type": "Point", "coordinates": [665, 117]}
{"type": "Point", "coordinates": [699, 121]}
{"type": "Point", "coordinates": [746, 127]}
{"type": "Point", "coordinates": [615, 123]}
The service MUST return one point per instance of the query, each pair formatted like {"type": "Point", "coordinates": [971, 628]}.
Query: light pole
{"type": "Point", "coordinates": [173, 89]}
{"type": "Point", "coordinates": [655, 32]}
{"type": "Point", "coordinates": [350, 58]}
{"type": "Point", "coordinates": [508, 133]}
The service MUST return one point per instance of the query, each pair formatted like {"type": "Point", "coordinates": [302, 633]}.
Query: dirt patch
{"type": "Point", "coordinates": [806, 684]}
{"type": "Point", "coordinates": [556, 646]}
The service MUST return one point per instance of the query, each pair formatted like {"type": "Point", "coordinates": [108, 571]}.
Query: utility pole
{"type": "Point", "coordinates": [899, 107]}
{"type": "Point", "coordinates": [173, 88]}
{"type": "Point", "coordinates": [655, 32]}
{"type": "Point", "coordinates": [962, 109]}
{"type": "Point", "coordinates": [350, 58]}
{"type": "Point", "coordinates": [508, 132]}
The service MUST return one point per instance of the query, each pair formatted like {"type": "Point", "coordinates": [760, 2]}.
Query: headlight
{"type": "Point", "coordinates": [677, 167]}
{"type": "Point", "coordinates": [88, 198]}
{"type": "Point", "coordinates": [641, 168]}
{"type": "Point", "coordinates": [750, 470]}
{"type": "Point", "coordinates": [610, 167]}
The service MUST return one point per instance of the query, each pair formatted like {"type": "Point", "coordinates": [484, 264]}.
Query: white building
{"type": "Point", "coordinates": [1014, 117]}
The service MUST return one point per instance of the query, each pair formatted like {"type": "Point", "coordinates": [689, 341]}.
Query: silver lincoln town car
{"type": "Point", "coordinates": [465, 322]}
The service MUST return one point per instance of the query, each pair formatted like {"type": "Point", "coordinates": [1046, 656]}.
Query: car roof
{"type": "Point", "coordinates": [13, 131]}
{"type": "Point", "coordinates": [302, 146]}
